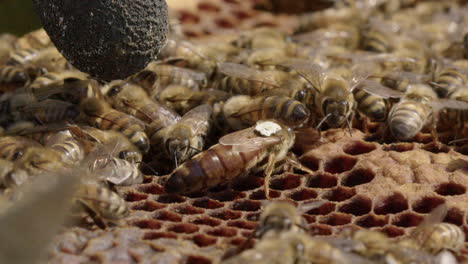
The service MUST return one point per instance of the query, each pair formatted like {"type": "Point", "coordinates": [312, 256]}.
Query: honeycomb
{"type": "Point", "coordinates": [363, 184]}
{"type": "Point", "coordinates": [389, 187]}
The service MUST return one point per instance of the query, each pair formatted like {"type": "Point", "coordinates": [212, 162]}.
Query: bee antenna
{"type": "Point", "coordinates": [458, 140]}
{"type": "Point", "coordinates": [321, 122]}
{"type": "Point", "coordinates": [148, 166]}
{"type": "Point", "coordinates": [175, 160]}
{"type": "Point", "coordinates": [349, 127]}
{"type": "Point", "coordinates": [190, 147]}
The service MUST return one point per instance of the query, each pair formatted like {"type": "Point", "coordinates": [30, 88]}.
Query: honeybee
{"type": "Point", "coordinates": [243, 111]}
{"type": "Point", "coordinates": [12, 103]}
{"type": "Point", "coordinates": [280, 216]}
{"type": "Point", "coordinates": [337, 34]}
{"type": "Point", "coordinates": [13, 147]}
{"type": "Point", "coordinates": [11, 176]}
{"type": "Point", "coordinates": [101, 115]}
{"type": "Point", "coordinates": [49, 111]}
{"type": "Point", "coordinates": [71, 89]}
{"type": "Point", "coordinates": [185, 138]}
{"type": "Point", "coordinates": [132, 99]}
{"type": "Point", "coordinates": [448, 79]}
{"type": "Point", "coordinates": [37, 39]}
{"type": "Point", "coordinates": [13, 77]}
{"type": "Point", "coordinates": [415, 109]}
{"type": "Point", "coordinates": [46, 60]}
{"type": "Point", "coordinates": [168, 74]}
{"type": "Point", "coordinates": [52, 80]}
{"type": "Point", "coordinates": [181, 99]}
{"type": "Point", "coordinates": [91, 137]}
{"type": "Point", "coordinates": [373, 106]}
{"type": "Point", "coordinates": [378, 37]}
{"type": "Point", "coordinates": [234, 155]}
{"type": "Point", "coordinates": [70, 149]}
{"type": "Point", "coordinates": [7, 44]}
{"type": "Point", "coordinates": [117, 171]}
{"type": "Point", "coordinates": [433, 236]}
{"type": "Point", "coordinates": [102, 204]}
{"type": "Point", "coordinates": [36, 160]}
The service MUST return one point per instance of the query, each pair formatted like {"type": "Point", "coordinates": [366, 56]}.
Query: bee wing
{"type": "Point", "coordinates": [46, 104]}
{"type": "Point", "coordinates": [246, 140]}
{"type": "Point", "coordinates": [245, 72]}
{"type": "Point", "coordinates": [199, 117]}
{"type": "Point", "coordinates": [311, 72]}
{"type": "Point", "coordinates": [378, 89]}
{"type": "Point", "coordinates": [360, 72]}
{"type": "Point", "coordinates": [436, 215]}
{"type": "Point", "coordinates": [449, 103]}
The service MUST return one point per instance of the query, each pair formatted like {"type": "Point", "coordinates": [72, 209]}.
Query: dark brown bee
{"type": "Point", "coordinates": [234, 155]}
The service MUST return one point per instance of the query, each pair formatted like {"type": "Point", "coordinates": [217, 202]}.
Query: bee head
{"type": "Point", "coordinates": [336, 111]}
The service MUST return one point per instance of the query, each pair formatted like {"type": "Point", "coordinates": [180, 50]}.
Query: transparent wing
{"type": "Point", "coordinates": [378, 89]}
{"type": "Point", "coordinates": [449, 103]}
{"type": "Point", "coordinates": [312, 73]}
{"type": "Point", "coordinates": [198, 118]}
{"type": "Point", "coordinates": [246, 140]}
{"type": "Point", "coordinates": [245, 72]}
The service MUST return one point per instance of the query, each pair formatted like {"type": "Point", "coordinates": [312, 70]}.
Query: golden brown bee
{"type": "Point", "coordinates": [261, 38]}
{"type": "Point", "coordinates": [337, 34]}
{"type": "Point", "coordinates": [101, 115]}
{"type": "Point", "coordinates": [181, 99]}
{"type": "Point", "coordinates": [377, 40]}
{"type": "Point", "coordinates": [36, 160]}
{"type": "Point", "coordinates": [52, 80]}
{"type": "Point", "coordinates": [102, 204]}
{"type": "Point", "coordinates": [280, 216]}
{"type": "Point", "coordinates": [448, 79]}
{"type": "Point", "coordinates": [70, 149]}
{"type": "Point", "coordinates": [46, 60]}
{"type": "Point", "coordinates": [13, 147]}
{"type": "Point", "coordinates": [132, 99]}
{"type": "Point", "coordinates": [117, 171]}
{"type": "Point", "coordinates": [13, 77]}
{"type": "Point", "coordinates": [10, 175]}
{"type": "Point", "coordinates": [243, 111]}
{"type": "Point", "coordinates": [185, 138]}
{"type": "Point", "coordinates": [433, 236]}
{"type": "Point", "coordinates": [168, 74]}
{"type": "Point", "coordinates": [70, 89]}
{"type": "Point", "coordinates": [37, 39]}
{"type": "Point", "coordinates": [7, 44]}
{"type": "Point", "coordinates": [372, 106]}
{"type": "Point", "coordinates": [234, 155]}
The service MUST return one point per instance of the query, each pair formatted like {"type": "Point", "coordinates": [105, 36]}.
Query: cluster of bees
{"type": "Point", "coordinates": [283, 238]}
{"type": "Point", "coordinates": [210, 111]}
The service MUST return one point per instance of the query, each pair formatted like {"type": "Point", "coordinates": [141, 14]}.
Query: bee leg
{"type": "Point", "coordinates": [268, 171]}
{"type": "Point", "coordinates": [294, 163]}
{"type": "Point", "coordinates": [434, 119]}
{"type": "Point", "coordinates": [96, 219]}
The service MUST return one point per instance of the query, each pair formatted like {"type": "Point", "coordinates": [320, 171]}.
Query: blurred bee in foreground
{"type": "Point", "coordinates": [185, 138]}
{"type": "Point", "coordinates": [235, 155]}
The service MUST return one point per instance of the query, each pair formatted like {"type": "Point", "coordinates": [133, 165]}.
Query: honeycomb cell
{"type": "Point", "coordinates": [454, 216]}
{"type": "Point", "coordinates": [392, 204]}
{"type": "Point", "coordinates": [198, 260]}
{"type": "Point", "coordinates": [171, 198]}
{"type": "Point", "coordinates": [246, 205]}
{"type": "Point", "coordinates": [167, 216]}
{"type": "Point", "coordinates": [260, 194]}
{"type": "Point", "coordinates": [238, 241]}
{"type": "Point", "coordinates": [340, 164]}
{"type": "Point", "coordinates": [223, 232]}
{"type": "Point", "coordinates": [392, 231]}
{"type": "Point", "coordinates": [436, 148]}
{"type": "Point", "coordinates": [320, 230]}
{"type": "Point", "coordinates": [371, 220]}
{"type": "Point", "coordinates": [147, 223]}
{"type": "Point", "coordinates": [208, 7]}
{"type": "Point", "coordinates": [151, 188]}
{"type": "Point", "coordinates": [207, 203]}
{"type": "Point", "coordinates": [206, 220]}
{"type": "Point", "coordinates": [359, 205]}
{"type": "Point", "coordinates": [227, 195]}
{"type": "Point", "coordinates": [358, 148]}
{"type": "Point", "coordinates": [303, 194]}
{"type": "Point", "coordinates": [336, 219]}
{"type": "Point", "coordinates": [253, 216]}
{"type": "Point", "coordinates": [134, 196]}
{"type": "Point", "coordinates": [322, 180]}
{"type": "Point", "coordinates": [339, 194]}
{"type": "Point", "coordinates": [324, 209]}
{"type": "Point", "coordinates": [310, 162]}
{"type": "Point", "coordinates": [226, 214]}
{"type": "Point", "coordinates": [191, 33]}
{"type": "Point", "coordinates": [450, 189]}
{"type": "Point", "coordinates": [399, 147]}
{"type": "Point", "coordinates": [248, 183]}
{"type": "Point", "coordinates": [224, 22]}
{"type": "Point", "coordinates": [186, 17]}
{"type": "Point", "coordinates": [285, 182]}
{"type": "Point", "coordinates": [151, 235]}
{"type": "Point", "coordinates": [188, 209]}
{"type": "Point", "coordinates": [241, 14]}
{"type": "Point", "coordinates": [148, 206]}
{"type": "Point", "coordinates": [407, 219]}
{"type": "Point", "coordinates": [242, 224]}
{"type": "Point", "coordinates": [183, 228]}
{"type": "Point", "coordinates": [358, 177]}
{"type": "Point", "coordinates": [309, 218]}
{"type": "Point", "coordinates": [204, 240]}
{"type": "Point", "coordinates": [427, 204]}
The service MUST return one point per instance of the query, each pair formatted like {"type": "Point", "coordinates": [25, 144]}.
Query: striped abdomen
{"type": "Point", "coordinates": [22, 56]}
{"type": "Point", "coordinates": [448, 81]}
{"type": "Point", "coordinates": [376, 41]}
{"type": "Point", "coordinates": [436, 237]}
{"type": "Point", "coordinates": [12, 148]}
{"type": "Point", "coordinates": [371, 105]}
{"type": "Point", "coordinates": [217, 165]}
{"type": "Point", "coordinates": [128, 125]}
{"type": "Point", "coordinates": [153, 111]}
{"type": "Point", "coordinates": [102, 201]}
{"type": "Point", "coordinates": [285, 110]}
{"type": "Point", "coordinates": [119, 171]}
{"type": "Point", "coordinates": [69, 149]}
{"type": "Point", "coordinates": [407, 118]}
{"type": "Point", "coordinates": [236, 85]}
{"type": "Point", "coordinates": [51, 113]}
{"type": "Point", "coordinates": [12, 76]}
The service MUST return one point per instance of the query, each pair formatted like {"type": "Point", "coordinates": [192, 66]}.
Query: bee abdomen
{"type": "Point", "coordinates": [286, 110]}
{"type": "Point", "coordinates": [12, 74]}
{"type": "Point", "coordinates": [434, 238]}
{"type": "Point", "coordinates": [376, 42]}
{"type": "Point", "coordinates": [371, 105]}
{"type": "Point", "coordinates": [407, 119]}
{"type": "Point", "coordinates": [71, 150]}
